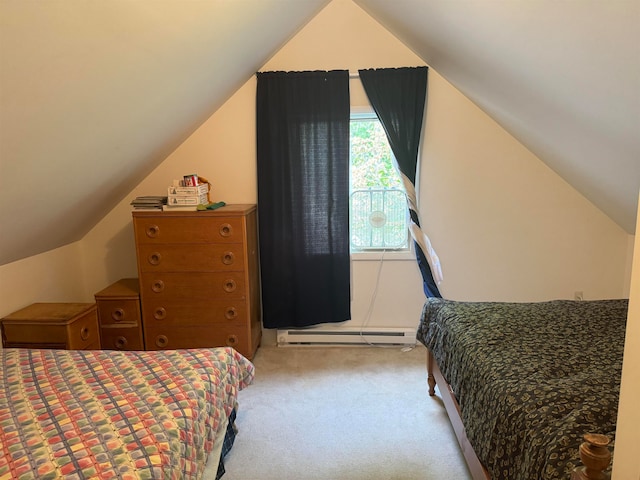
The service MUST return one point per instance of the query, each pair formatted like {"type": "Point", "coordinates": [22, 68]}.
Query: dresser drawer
{"type": "Point", "coordinates": [196, 286]}
{"type": "Point", "coordinates": [197, 337]}
{"type": "Point", "coordinates": [192, 258]}
{"type": "Point", "coordinates": [181, 313]}
{"type": "Point", "coordinates": [188, 229]}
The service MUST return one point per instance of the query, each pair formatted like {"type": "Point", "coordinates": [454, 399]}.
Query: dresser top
{"type": "Point", "coordinates": [123, 288]}
{"type": "Point", "coordinates": [234, 209]}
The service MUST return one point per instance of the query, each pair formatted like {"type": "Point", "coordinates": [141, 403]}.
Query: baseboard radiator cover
{"type": "Point", "coordinates": [346, 336]}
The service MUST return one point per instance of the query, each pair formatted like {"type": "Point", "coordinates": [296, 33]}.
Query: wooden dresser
{"type": "Point", "coordinates": [199, 283]}
{"type": "Point", "coordinates": [71, 326]}
{"type": "Point", "coordinates": [119, 316]}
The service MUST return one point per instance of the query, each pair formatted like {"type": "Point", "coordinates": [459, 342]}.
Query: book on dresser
{"type": "Point", "coordinates": [199, 282]}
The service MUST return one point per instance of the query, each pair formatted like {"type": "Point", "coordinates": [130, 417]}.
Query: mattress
{"type": "Point", "coordinates": [530, 378]}
{"type": "Point", "coordinates": [113, 414]}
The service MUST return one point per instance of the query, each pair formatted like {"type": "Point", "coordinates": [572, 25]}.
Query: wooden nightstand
{"type": "Point", "coordinates": [70, 326]}
{"type": "Point", "coordinates": [119, 316]}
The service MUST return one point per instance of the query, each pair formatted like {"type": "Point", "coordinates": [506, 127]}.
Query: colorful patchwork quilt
{"type": "Point", "coordinates": [112, 414]}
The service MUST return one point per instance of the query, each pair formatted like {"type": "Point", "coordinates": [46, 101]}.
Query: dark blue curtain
{"type": "Point", "coordinates": [398, 96]}
{"type": "Point", "coordinates": [303, 197]}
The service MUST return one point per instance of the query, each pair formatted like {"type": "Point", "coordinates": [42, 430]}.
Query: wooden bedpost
{"type": "Point", "coordinates": [595, 456]}
{"type": "Point", "coordinates": [431, 380]}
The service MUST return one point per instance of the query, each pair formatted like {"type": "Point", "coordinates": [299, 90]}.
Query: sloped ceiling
{"type": "Point", "coordinates": [94, 95]}
{"type": "Point", "coordinates": [563, 77]}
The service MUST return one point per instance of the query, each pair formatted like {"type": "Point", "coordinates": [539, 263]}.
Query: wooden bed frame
{"type": "Point", "coordinates": [594, 451]}
{"type": "Point", "coordinates": [435, 377]}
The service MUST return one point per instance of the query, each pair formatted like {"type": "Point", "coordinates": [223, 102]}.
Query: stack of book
{"type": "Point", "coordinates": [187, 197]}
{"type": "Point", "coordinates": [148, 202]}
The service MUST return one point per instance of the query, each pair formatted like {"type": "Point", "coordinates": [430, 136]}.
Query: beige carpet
{"type": "Point", "coordinates": [335, 413]}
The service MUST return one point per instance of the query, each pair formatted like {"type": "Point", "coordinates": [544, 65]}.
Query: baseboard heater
{"type": "Point", "coordinates": [347, 336]}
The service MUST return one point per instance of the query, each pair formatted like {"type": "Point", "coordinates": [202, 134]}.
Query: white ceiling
{"type": "Point", "coordinates": [93, 95]}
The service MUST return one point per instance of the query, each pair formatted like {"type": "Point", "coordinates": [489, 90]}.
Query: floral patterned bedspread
{"type": "Point", "coordinates": [115, 414]}
{"type": "Point", "coordinates": [531, 378]}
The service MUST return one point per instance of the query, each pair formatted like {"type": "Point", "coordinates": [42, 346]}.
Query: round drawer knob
{"type": "Point", "coordinates": [232, 340]}
{"type": "Point", "coordinates": [120, 342]}
{"type": "Point", "coordinates": [226, 230]}
{"type": "Point", "coordinates": [154, 258]}
{"type": "Point", "coordinates": [117, 315]}
{"type": "Point", "coordinates": [162, 341]}
{"type": "Point", "coordinates": [152, 231]}
{"type": "Point", "coordinates": [228, 258]}
{"type": "Point", "coordinates": [160, 313]}
{"type": "Point", "coordinates": [230, 313]}
{"type": "Point", "coordinates": [84, 333]}
{"type": "Point", "coordinates": [157, 286]}
{"type": "Point", "coordinates": [229, 285]}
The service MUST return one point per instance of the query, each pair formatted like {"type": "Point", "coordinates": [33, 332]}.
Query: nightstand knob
{"type": "Point", "coordinates": [157, 286]}
{"type": "Point", "coordinates": [162, 341]}
{"type": "Point", "coordinates": [120, 342]}
{"type": "Point", "coordinates": [229, 285]}
{"type": "Point", "coordinates": [228, 258]}
{"type": "Point", "coordinates": [232, 340]}
{"type": "Point", "coordinates": [117, 315]}
{"type": "Point", "coordinates": [84, 333]}
{"type": "Point", "coordinates": [226, 230]}
{"type": "Point", "coordinates": [154, 258]}
{"type": "Point", "coordinates": [160, 313]}
{"type": "Point", "coordinates": [231, 313]}
{"type": "Point", "coordinates": [153, 231]}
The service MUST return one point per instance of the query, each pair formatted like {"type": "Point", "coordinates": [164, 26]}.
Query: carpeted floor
{"type": "Point", "coordinates": [334, 413]}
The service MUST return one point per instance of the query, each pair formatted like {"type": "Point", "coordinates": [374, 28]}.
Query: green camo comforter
{"type": "Point", "coordinates": [530, 378]}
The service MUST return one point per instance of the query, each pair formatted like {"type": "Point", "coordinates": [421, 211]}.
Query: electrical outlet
{"type": "Point", "coordinates": [578, 296]}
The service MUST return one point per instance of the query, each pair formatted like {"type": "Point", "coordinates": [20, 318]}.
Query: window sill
{"type": "Point", "coordinates": [387, 255]}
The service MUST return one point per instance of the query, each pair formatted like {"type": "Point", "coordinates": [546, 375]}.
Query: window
{"type": "Point", "coordinates": [378, 205]}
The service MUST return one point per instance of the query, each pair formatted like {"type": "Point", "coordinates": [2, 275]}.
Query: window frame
{"type": "Point", "coordinates": [367, 113]}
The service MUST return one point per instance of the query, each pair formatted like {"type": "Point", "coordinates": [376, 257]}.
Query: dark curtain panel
{"type": "Point", "coordinates": [398, 97]}
{"type": "Point", "coordinates": [303, 197]}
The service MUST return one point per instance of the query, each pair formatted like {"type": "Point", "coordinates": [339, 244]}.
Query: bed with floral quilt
{"type": "Point", "coordinates": [524, 382]}
{"type": "Point", "coordinates": [77, 414]}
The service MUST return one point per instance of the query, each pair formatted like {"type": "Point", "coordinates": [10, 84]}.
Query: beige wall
{"type": "Point", "coordinates": [626, 465]}
{"type": "Point", "coordinates": [55, 276]}
{"type": "Point", "coordinates": [503, 224]}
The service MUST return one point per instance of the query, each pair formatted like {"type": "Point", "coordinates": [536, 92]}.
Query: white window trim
{"type": "Point", "coordinates": [391, 255]}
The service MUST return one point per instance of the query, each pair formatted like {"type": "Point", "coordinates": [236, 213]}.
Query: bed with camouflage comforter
{"type": "Point", "coordinates": [530, 378]}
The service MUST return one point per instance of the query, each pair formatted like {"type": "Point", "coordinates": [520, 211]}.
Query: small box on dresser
{"type": "Point", "coordinates": [199, 278]}
{"type": "Point", "coordinates": [69, 326]}
{"type": "Point", "coordinates": [119, 316]}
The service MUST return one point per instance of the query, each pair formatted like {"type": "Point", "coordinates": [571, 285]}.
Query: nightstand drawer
{"type": "Point", "coordinates": [84, 332]}
{"type": "Point", "coordinates": [118, 312]}
{"type": "Point", "coordinates": [120, 316]}
{"type": "Point", "coordinates": [72, 326]}
{"type": "Point", "coordinates": [121, 338]}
